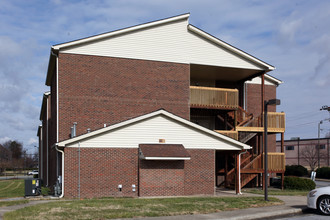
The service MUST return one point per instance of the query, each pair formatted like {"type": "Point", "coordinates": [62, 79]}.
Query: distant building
{"type": "Point", "coordinates": [304, 151]}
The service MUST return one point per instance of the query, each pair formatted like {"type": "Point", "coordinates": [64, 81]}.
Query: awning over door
{"type": "Point", "coordinates": [163, 152]}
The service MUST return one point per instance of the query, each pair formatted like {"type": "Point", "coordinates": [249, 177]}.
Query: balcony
{"type": "Point", "coordinates": [276, 163]}
{"type": "Point", "coordinates": [276, 123]}
{"type": "Point", "coordinates": [231, 134]}
{"type": "Point", "coordinates": [213, 98]}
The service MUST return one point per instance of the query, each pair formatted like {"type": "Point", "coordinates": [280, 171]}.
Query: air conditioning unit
{"type": "Point", "coordinates": [32, 187]}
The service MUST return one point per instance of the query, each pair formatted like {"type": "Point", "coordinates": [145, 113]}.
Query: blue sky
{"type": "Point", "coordinates": [291, 35]}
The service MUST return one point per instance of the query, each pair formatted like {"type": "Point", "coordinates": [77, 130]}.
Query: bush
{"type": "Point", "coordinates": [45, 191]}
{"type": "Point", "coordinates": [35, 176]}
{"type": "Point", "coordinates": [296, 183]}
{"type": "Point", "coordinates": [295, 170]}
{"type": "Point", "coordinates": [323, 172]}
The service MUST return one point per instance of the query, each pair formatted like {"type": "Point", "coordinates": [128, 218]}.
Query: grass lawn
{"type": "Point", "coordinates": [11, 188]}
{"type": "Point", "coordinates": [278, 192]}
{"type": "Point", "coordinates": [10, 203]}
{"type": "Point", "coordinates": [108, 208]}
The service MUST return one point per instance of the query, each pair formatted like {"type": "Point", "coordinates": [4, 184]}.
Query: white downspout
{"type": "Point", "coordinates": [47, 137]}
{"type": "Point", "coordinates": [239, 171]}
{"type": "Point", "coordinates": [57, 127]}
{"type": "Point", "coordinates": [41, 153]}
{"type": "Point", "coordinates": [62, 152]}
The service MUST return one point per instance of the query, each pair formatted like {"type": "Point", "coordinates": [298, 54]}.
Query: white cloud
{"type": "Point", "coordinates": [4, 139]}
{"type": "Point", "coordinates": [291, 35]}
{"type": "Point", "coordinates": [32, 141]}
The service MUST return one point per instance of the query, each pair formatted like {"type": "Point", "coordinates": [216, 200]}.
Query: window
{"type": "Point", "coordinates": [289, 147]}
{"type": "Point", "coordinates": [322, 146]}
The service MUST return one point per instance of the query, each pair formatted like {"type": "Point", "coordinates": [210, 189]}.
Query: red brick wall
{"type": "Point", "coordinates": [174, 178]}
{"type": "Point", "coordinates": [47, 155]}
{"type": "Point", "coordinates": [161, 178]}
{"type": "Point", "coordinates": [200, 172]}
{"type": "Point", "coordinates": [44, 149]}
{"type": "Point", "coordinates": [253, 105]}
{"type": "Point", "coordinates": [253, 98]}
{"type": "Point", "coordinates": [101, 171]}
{"type": "Point", "coordinates": [94, 90]}
{"type": "Point", "coordinates": [52, 132]}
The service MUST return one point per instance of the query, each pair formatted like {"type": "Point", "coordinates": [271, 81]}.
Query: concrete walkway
{"type": "Point", "coordinates": [293, 205]}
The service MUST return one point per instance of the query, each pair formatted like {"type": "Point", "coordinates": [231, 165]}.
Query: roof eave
{"type": "Point", "coordinates": [121, 31]}
{"type": "Point", "coordinates": [43, 105]}
{"type": "Point", "coordinates": [273, 79]}
{"type": "Point", "coordinates": [241, 53]}
{"type": "Point", "coordinates": [237, 144]}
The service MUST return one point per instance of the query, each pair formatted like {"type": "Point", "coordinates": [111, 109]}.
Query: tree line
{"type": "Point", "coordinates": [14, 157]}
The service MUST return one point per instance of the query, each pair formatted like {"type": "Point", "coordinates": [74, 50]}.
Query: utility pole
{"type": "Point", "coordinates": [297, 139]}
{"type": "Point", "coordinates": [266, 103]}
{"type": "Point", "coordinates": [325, 108]}
{"type": "Point", "coordinates": [318, 144]}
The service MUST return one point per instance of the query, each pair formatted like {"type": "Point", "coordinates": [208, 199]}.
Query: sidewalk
{"type": "Point", "coordinates": [293, 205]}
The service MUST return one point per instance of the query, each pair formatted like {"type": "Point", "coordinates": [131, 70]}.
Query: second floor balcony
{"type": "Point", "coordinates": [275, 122]}
{"type": "Point", "coordinates": [213, 98]}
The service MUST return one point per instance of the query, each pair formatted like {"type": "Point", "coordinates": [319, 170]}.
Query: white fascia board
{"type": "Point", "coordinates": [165, 158]}
{"type": "Point", "coordinates": [152, 114]}
{"type": "Point", "coordinates": [273, 79]}
{"type": "Point", "coordinates": [121, 31]}
{"type": "Point", "coordinates": [229, 47]}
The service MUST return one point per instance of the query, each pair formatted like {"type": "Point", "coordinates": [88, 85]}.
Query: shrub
{"type": "Point", "coordinates": [323, 172]}
{"type": "Point", "coordinates": [296, 183]}
{"type": "Point", "coordinates": [295, 170]}
{"type": "Point", "coordinates": [45, 191]}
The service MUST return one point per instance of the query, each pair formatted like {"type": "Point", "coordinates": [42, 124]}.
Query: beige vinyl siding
{"type": "Point", "coordinates": [170, 42]}
{"type": "Point", "coordinates": [151, 130]}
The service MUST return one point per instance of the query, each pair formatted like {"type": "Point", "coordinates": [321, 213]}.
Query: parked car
{"type": "Point", "coordinates": [33, 172]}
{"type": "Point", "coordinates": [319, 199]}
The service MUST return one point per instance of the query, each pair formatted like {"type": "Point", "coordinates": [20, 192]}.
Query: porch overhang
{"type": "Point", "coordinates": [163, 152]}
{"type": "Point", "coordinates": [229, 74]}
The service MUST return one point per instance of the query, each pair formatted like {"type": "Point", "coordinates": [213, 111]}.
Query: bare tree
{"type": "Point", "coordinates": [5, 159]}
{"type": "Point", "coordinates": [310, 155]}
{"type": "Point", "coordinates": [15, 147]}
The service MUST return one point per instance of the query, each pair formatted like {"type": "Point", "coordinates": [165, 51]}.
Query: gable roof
{"type": "Point", "coordinates": [120, 31]}
{"type": "Point", "coordinates": [182, 47]}
{"type": "Point", "coordinates": [216, 137]}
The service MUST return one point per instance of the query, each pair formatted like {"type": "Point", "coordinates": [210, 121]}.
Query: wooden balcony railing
{"type": "Point", "coordinates": [208, 97]}
{"type": "Point", "coordinates": [276, 163]}
{"type": "Point", "coordinates": [232, 134]}
{"type": "Point", "coordinates": [276, 123]}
